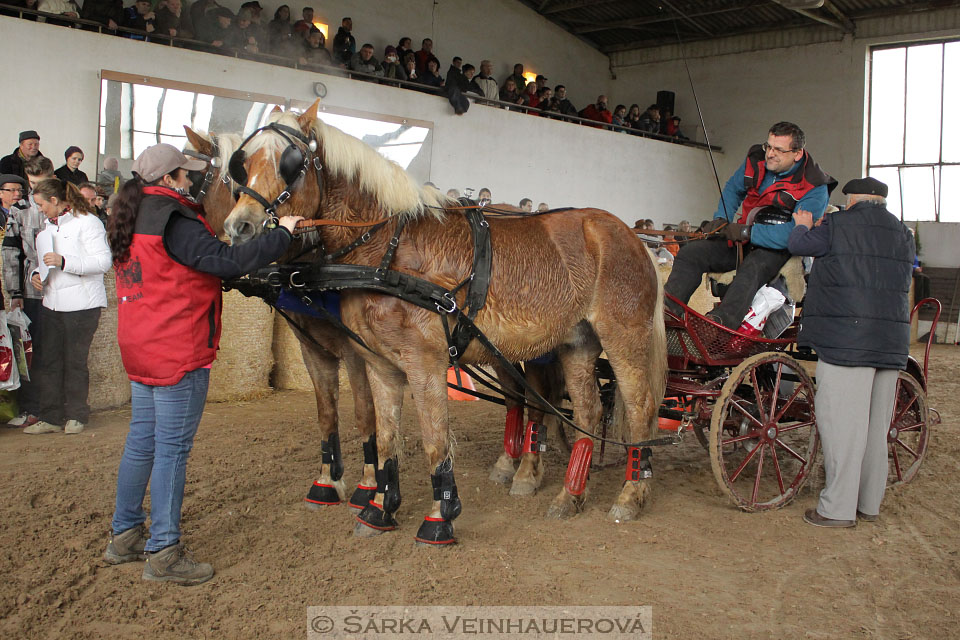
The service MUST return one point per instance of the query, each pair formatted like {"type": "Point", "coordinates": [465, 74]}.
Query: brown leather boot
{"type": "Point", "coordinates": [127, 546]}
{"type": "Point", "coordinates": [174, 565]}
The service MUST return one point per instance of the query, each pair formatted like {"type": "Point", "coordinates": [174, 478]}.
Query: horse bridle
{"type": "Point", "coordinates": [213, 163]}
{"type": "Point", "coordinates": [294, 164]}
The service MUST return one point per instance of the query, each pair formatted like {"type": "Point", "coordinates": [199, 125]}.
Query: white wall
{"type": "Point", "coordinates": [815, 78]}
{"type": "Point", "coordinates": [503, 31]}
{"type": "Point", "coordinates": [516, 155]}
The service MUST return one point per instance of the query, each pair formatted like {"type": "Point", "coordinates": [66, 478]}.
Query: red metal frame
{"type": "Point", "coordinates": [933, 302]}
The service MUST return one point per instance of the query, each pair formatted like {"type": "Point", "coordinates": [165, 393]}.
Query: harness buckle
{"type": "Point", "coordinates": [452, 350]}
{"type": "Point", "coordinates": [283, 197]}
{"type": "Point", "coordinates": [273, 279]}
{"type": "Point", "coordinates": [394, 242]}
{"type": "Point", "coordinates": [451, 300]}
{"type": "Point", "coordinates": [316, 163]}
{"type": "Point", "coordinates": [365, 238]}
{"type": "Point", "coordinates": [293, 282]}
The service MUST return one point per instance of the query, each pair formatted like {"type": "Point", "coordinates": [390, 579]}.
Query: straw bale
{"type": "Point", "coordinates": [109, 385]}
{"type": "Point", "coordinates": [289, 372]}
{"type": "Point", "coordinates": [242, 368]}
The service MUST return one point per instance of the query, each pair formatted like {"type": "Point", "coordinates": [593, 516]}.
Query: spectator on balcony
{"type": "Point", "coordinates": [565, 106]}
{"type": "Point", "coordinates": [633, 117]}
{"type": "Point", "coordinates": [199, 16]}
{"type": "Point", "coordinates": [543, 206]}
{"type": "Point", "coordinates": [673, 128]}
{"type": "Point", "coordinates": [29, 148]}
{"type": "Point", "coordinates": [141, 17]}
{"type": "Point", "coordinates": [344, 44]}
{"type": "Point", "coordinates": [410, 68]}
{"type": "Point", "coordinates": [527, 204]}
{"type": "Point", "coordinates": [403, 46]}
{"type": "Point", "coordinates": [168, 17]}
{"type": "Point", "coordinates": [221, 33]}
{"type": "Point", "coordinates": [248, 33]}
{"type": "Point", "coordinates": [66, 8]}
{"type": "Point", "coordinates": [425, 53]}
{"type": "Point", "coordinates": [530, 97]}
{"type": "Point", "coordinates": [484, 197]}
{"type": "Point", "coordinates": [280, 31]}
{"type": "Point", "coordinates": [391, 64]}
{"type": "Point", "coordinates": [509, 92]}
{"type": "Point", "coordinates": [364, 61]}
{"type": "Point", "coordinates": [304, 24]}
{"type": "Point", "coordinates": [598, 111]}
{"type": "Point", "coordinates": [541, 82]}
{"type": "Point", "coordinates": [518, 79]}
{"type": "Point", "coordinates": [548, 101]}
{"type": "Point", "coordinates": [650, 120]}
{"type": "Point", "coordinates": [466, 81]}
{"type": "Point", "coordinates": [455, 72]}
{"type": "Point", "coordinates": [431, 77]}
{"type": "Point", "coordinates": [256, 10]}
{"type": "Point", "coordinates": [314, 49]}
{"type": "Point", "coordinates": [109, 13]}
{"type": "Point", "coordinates": [70, 171]}
{"type": "Point", "coordinates": [619, 120]}
{"type": "Point", "coordinates": [487, 83]}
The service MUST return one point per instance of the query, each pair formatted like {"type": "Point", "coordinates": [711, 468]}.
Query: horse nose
{"type": "Point", "coordinates": [240, 231]}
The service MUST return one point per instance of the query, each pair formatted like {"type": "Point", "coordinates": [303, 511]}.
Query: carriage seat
{"type": "Point", "coordinates": [792, 273]}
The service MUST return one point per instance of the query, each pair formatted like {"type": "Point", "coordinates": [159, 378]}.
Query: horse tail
{"type": "Point", "coordinates": [657, 353]}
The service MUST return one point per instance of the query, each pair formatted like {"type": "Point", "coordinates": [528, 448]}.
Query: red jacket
{"type": "Point", "coordinates": [168, 314]}
{"type": "Point", "coordinates": [592, 113]}
{"type": "Point", "coordinates": [784, 193]}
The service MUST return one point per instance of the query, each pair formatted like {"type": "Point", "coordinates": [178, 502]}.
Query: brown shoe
{"type": "Point", "coordinates": [174, 565]}
{"type": "Point", "coordinates": [867, 517]}
{"type": "Point", "coordinates": [812, 516]}
{"type": "Point", "coordinates": [127, 546]}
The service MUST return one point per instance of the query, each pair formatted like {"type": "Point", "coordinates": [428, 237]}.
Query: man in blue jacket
{"type": "Point", "coordinates": [856, 316]}
{"type": "Point", "coordinates": [776, 178]}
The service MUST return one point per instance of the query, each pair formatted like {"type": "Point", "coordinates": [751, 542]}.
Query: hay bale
{"type": "Point", "coordinates": [289, 372]}
{"type": "Point", "coordinates": [109, 385]}
{"type": "Point", "coordinates": [245, 359]}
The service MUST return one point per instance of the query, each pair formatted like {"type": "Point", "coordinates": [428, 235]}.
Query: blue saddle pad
{"type": "Point", "coordinates": [327, 300]}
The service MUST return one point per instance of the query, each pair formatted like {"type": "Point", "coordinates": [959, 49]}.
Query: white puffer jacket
{"type": "Point", "coordinates": [82, 241]}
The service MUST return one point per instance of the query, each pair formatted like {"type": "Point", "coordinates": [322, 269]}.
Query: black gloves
{"type": "Point", "coordinates": [712, 225]}
{"type": "Point", "coordinates": [737, 232]}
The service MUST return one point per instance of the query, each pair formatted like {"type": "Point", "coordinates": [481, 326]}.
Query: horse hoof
{"type": "Point", "coordinates": [523, 488]}
{"type": "Point", "coordinates": [503, 471]}
{"type": "Point", "coordinates": [565, 506]}
{"type": "Point", "coordinates": [361, 530]}
{"type": "Point", "coordinates": [362, 496]}
{"type": "Point", "coordinates": [619, 513]}
{"type": "Point", "coordinates": [435, 533]}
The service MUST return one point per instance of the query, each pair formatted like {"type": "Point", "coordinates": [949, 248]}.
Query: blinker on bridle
{"type": "Point", "coordinates": [294, 164]}
{"type": "Point", "coordinates": [213, 163]}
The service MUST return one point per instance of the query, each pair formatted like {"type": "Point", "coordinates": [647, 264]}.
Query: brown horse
{"type": "Point", "coordinates": [577, 282]}
{"type": "Point", "coordinates": [322, 355]}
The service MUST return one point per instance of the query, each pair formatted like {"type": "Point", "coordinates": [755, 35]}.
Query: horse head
{"type": "Point", "coordinates": [278, 172]}
{"type": "Point", "coordinates": [218, 199]}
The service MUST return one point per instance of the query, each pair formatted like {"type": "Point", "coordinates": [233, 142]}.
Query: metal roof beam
{"type": "Point", "coordinates": [574, 4]}
{"type": "Point", "coordinates": [687, 18]}
{"type": "Point", "coordinates": [847, 23]}
{"type": "Point", "coordinates": [641, 22]}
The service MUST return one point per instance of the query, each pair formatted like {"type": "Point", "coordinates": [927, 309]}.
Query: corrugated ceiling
{"type": "Point", "coordinates": [623, 25]}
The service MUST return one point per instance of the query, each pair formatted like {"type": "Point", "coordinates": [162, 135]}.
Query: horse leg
{"type": "Point", "coordinates": [503, 469]}
{"type": "Point", "coordinates": [529, 475]}
{"type": "Point", "coordinates": [578, 357]}
{"type": "Point", "coordinates": [629, 357]}
{"type": "Point", "coordinates": [428, 385]}
{"type": "Point", "coordinates": [324, 369]}
{"type": "Point", "coordinates": [366, 421]}
{"type": "Point", "coordinates": [386, 386]}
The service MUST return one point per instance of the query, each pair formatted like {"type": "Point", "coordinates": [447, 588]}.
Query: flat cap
{"type": "Point", "coordinates": [30, 134]}
{"type": "Point", "coordinates": [7, 178]}
{"type": "Point", "coordinates": [866, 186]}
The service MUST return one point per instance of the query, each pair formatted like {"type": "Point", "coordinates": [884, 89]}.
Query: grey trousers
{"type": "Point", "coordinates": [854, 406]}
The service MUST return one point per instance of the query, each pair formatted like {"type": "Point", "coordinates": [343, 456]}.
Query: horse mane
{"type": "Point", "coordinates": [347, 157]}
{"type": "Point", "coordinates": [225, 144]}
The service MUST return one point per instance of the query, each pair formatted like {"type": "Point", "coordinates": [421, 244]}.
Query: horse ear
{"type": "Point", "coordinates": [276, 109]}
{"type": "Point", "coordinates": [201, 144]}
{"type": "Point", "coordinates": [308, 117]}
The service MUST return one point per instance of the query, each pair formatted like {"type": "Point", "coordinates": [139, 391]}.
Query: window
{"type": "Point", "coordinates": [914, 128]}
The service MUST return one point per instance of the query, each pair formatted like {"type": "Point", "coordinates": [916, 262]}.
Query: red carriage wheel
{"type": "Point", "coordinates": [909, 432]}
{"type": "Point", "coordinates": [763, 435]}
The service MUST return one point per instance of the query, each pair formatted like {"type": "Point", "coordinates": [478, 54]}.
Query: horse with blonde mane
{"type": "Point", "coordinates": [322, 345]}
{"type": "Point", "coordinates": [577, 282]}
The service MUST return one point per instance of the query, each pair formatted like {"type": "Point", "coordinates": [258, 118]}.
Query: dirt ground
{"type": "Point", "coordinates": [707, 569]}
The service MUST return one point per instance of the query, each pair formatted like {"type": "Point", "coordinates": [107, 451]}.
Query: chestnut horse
{"type": "Point", "coordinates": [322, 353]}
{"type": "Point", "coordinates": [577, 282]}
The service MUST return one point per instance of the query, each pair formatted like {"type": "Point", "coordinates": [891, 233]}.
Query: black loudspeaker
{"type": "Point", "coordinates": [665, 100]}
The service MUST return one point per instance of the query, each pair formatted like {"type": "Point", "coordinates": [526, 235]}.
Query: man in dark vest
{"type": "Point", "coordinates": [856, 316]}
{"type": "Point", "coordinates": [776, 179]}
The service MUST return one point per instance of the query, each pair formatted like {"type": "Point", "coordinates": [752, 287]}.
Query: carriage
{"type": "Point", "coordinates": [750, 403]}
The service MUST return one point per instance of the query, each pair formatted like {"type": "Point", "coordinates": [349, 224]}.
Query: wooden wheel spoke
{"type": "Point", "coordinates": [909, 450]}
{"type": "Point", "coordinates": [791, 451]}
{"type": "Point", "coordinates": [735, 439]}
{"type": "Point", "coordinates": [906, 408]}
{"type": "Point", "coordinates": [743, 465]}
{"type": "Point", "coordinates": [786, 405]}
{"type": "Point", "coordinates": [756, 391]}
{"type": "Point", "coordinates": [776, 390]}
{"type": "Point", "coordinates": [776, 467]}
{"type": "Point", "coordinates": [736, 405]}
{"type": "Point", "coordinates": [794, 427]}
{"type": "Point", "coordinates": [913, 427]}
{"type": "Point", "coordinates": [756, 481]}
{"type": "Point", "coordinates": [896, 464]}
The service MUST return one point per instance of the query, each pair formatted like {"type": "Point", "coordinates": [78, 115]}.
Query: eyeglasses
{"type": "Point", "coordinates": [783, 152]}
{"type": "Point", "coordinates": [16, 190]}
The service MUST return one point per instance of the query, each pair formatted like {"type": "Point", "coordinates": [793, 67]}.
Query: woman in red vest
{"type": "Point", "coordinates": [169, 266]}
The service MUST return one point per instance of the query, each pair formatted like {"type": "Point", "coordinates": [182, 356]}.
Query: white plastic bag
{"type": "Point", "coordinates": [9, 376]}
{"type": "Point", "coordinates": [765, 302]}
{"type": "Point", "coordinates": [22, 341]}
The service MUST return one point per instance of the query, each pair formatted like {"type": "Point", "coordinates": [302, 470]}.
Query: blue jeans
{"type": "Point", "coordinates": [163, 422]}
